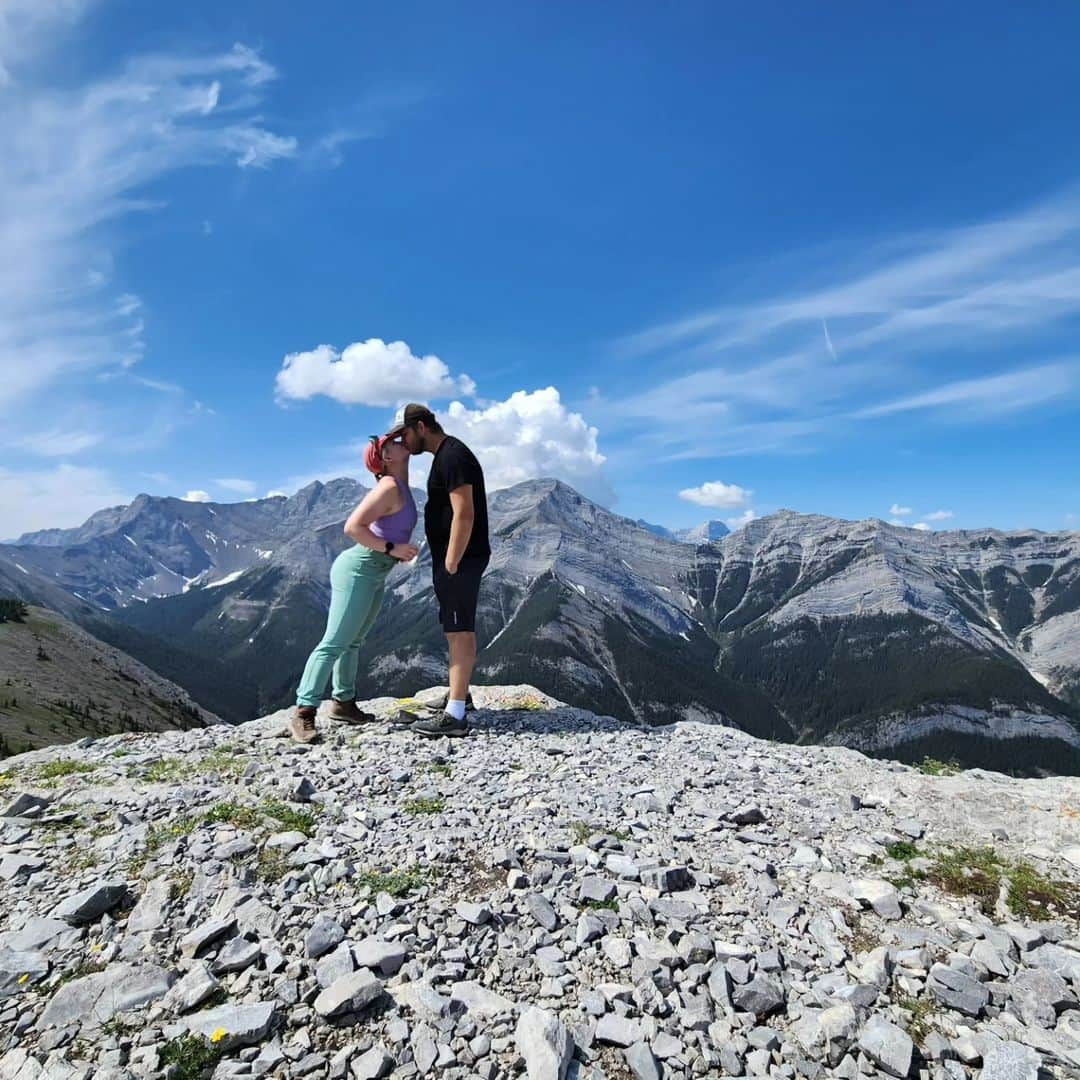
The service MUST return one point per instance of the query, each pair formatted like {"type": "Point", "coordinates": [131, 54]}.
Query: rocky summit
{"type": "Point", "coordinates": [560, 894]}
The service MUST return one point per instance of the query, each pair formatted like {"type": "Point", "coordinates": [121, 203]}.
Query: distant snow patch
{"type": "Point", "coordinates": [23, 569]}
{"type": "Point", "coordinates": [226, 579]}
{"type": "Point", "coordinates": [129, 540]}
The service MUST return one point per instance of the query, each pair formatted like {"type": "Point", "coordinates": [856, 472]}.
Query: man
{"type": "Point", "coordinates": [456, 525]}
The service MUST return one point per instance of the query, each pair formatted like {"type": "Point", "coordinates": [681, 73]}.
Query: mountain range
{"type": "Point", "coordinates": [797, 627]}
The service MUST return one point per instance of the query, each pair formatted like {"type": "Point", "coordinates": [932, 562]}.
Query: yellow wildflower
{"type": "Point", "coordinates": [218, 1035]}
{"type": "Point", "coordinates": [23, 978]}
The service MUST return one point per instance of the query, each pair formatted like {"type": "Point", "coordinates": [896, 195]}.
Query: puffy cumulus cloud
{"type": "Point", "coordinates": [715, 493]}
{"type": "Point", "coordinates": [922, 526]}
{"type": "Point", "coordinates": [371, 372]}
{"type": "Point", "coordinates": [232, 483]}
{"type": "Point", "coordinates": [197, 496]}
{"type": "Point", "coordinates": [57, 498]}
{"type": "Point", "coordinates": [744, 518]}
{"type": "Point", "coordinates": [275, 495]}
{"type": "Point", "coordinates": [899, 511]}
{"type": "Point", "coordinates": [529, 435]}
{"type": "Point", "coordinates": [939, 515]}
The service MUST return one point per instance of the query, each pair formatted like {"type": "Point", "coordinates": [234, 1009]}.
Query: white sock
{"type": "Point", "coordinates": [456, 709]}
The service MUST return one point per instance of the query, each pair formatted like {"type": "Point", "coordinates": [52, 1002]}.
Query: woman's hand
{"type": "Point", "coordinates": [405, 552]}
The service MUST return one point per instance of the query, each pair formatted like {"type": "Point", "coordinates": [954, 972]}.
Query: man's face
{"type": "Point", "coordinates": [412, 440]}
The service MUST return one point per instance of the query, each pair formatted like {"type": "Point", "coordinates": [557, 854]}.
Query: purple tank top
{"type": "Point", "coordinates": [398, 527]}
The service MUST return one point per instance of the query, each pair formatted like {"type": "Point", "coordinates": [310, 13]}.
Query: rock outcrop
{"type": "Point", "coordinates": [558, 895]}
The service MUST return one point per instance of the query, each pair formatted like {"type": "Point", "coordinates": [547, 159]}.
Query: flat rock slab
{"type": "Point", "coordinates": [232, 1026]}
{"type": "Point", "coordinates": [89, 905]}
{"type": "Point", "coordinates": [96, 998]}
{"type": "Point", "coordinates": [350, 993]}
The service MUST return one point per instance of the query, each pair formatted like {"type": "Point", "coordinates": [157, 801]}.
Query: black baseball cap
{"type": "Point", "coordinates": [410, 416]}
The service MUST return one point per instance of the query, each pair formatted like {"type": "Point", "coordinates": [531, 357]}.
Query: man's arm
{"type": "Point", "coordinates": [461, 503]}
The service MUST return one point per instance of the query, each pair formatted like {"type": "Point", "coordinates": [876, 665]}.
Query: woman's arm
{"type": "Point", "coordinates": [384, 498]}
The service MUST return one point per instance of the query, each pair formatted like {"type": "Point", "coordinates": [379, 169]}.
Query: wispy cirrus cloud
{"type": "Point", "coordinates": [80, 160]}
{"type": "Point", "coordinates": [778, 373]}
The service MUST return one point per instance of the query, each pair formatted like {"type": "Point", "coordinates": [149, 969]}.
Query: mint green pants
{"type": "Point", "coordinates": [357, 580]}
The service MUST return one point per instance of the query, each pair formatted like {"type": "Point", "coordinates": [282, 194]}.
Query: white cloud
{"type": "Point", "coordinates": [899, 511]}
{"type": "Point", "coordinates": [744, 518]}
{"type": "Point", "coordinates": [26, 27]}
{"type": "Point", "coordinates": [241, 487]}
{"type": "Point", "coordinates": [531, 434]}
{"type": "Point", "coordinates": [939, 515]}
{"type": "Point", "coordinates": [275, 495]}
{"type": "Point", "coordinates": [715, 493]}
{"type": "Point", "coordinates": [197, 496]}
{"type": "Point", "coordinates": [988, 396]}
{"type": "Point", "coordinates": [76, 162]}
{"type": "Point", "coordinates": [59, 442]}
{"type": "Point", "coordinates": [370, 372]}
{"type": "Point", "coordinates": [60, 497]}
{"type": "Point", "coordinates": [922, 526]}
{"type": "Point", "coordinates": [785, 371]}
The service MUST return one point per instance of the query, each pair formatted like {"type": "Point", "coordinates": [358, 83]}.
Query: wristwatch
{"type": "Point", "coordinates": [389, 546]}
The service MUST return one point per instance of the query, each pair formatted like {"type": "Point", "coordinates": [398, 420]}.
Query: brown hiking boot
{"type": "Point", "coordinates": [302, 724]}
{"type": "Point", "coordinates": [349, 712]}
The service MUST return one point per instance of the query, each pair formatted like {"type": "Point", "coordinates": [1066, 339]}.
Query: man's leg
{"type": "Point", "coordinates": [462, 646]}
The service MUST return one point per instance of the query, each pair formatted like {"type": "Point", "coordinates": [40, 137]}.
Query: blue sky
{"type": "Point", "coordinates": [699, 261]}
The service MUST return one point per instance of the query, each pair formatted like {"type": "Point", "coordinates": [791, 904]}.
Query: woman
{"type": "Point", "coordinates": [381, 526]}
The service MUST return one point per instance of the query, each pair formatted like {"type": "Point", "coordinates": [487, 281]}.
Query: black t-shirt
{"type": "Point", "coordinates": [454, 465]}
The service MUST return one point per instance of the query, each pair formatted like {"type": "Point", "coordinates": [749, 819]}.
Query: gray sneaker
{"type": "Point", "coordinates": [440, 727]}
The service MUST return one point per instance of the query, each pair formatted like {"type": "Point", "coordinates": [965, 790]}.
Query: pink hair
{"type": "Point", "coordinates": [373, 459]}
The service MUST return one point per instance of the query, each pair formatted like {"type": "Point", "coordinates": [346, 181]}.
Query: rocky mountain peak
{"type": "Point", "coordinates": [559, 894]}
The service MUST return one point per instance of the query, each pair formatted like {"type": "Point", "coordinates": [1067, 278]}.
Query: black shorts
{"type": "Point", "coordinates": [457, 594]}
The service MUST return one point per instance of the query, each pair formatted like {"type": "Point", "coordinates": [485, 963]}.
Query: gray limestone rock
{"type": "Point", "coordinates": [889, 1047]}
{"type": "Point", "coordinates": [544, 1043]}
{"type": "Point", "coordinates": [762, 996]}
{"type": "Point", "coordinates": [325, 933]}
{"type": "Point", "coordinates": [957, 990]}
{"type": "Point", "coordinates": [350, 993]}
{"type": "Point", "coordinates": [234, 1025]}
{"type": "Point", "coordinates": [90, 904]}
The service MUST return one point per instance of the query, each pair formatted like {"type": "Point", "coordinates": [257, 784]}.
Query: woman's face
{"type": "Point", "coordinates": [394, 453]}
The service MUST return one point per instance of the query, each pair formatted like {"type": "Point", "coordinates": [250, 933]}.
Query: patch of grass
{"type": "Point", "coordinates": [121, 752]}
{"type": "Point", "coordinates": [1034, 896]}
{"type": "Point", "coordinates": [439, 768]}
{"type": "Point", "coordinates": [191, 1057]}
{"type": "Point", "coordinates": [530, 705]}
{"type": "Point", "coordinates": [80, 971]}
{"type": "Point", "coordinates": [289, 817]}
{"type": "Point", "coordinates": [233, 813]}
{"type": "Point", "coordinates": [397, 883]}
{"type": "Point", "coordinates": [932, 767]}
{"type": "Point", "coordinates": [81, 859]}
{"type": "Point", "coordinates": [226, 760]}
{"type": "Point", "coordinates": [622, 835]}
{"type": "Point", "coordinates": [273, 864]}
{"type": "Point", "coordinates": [425, 805]}
{"type": "Point", "coordinates": [581, 831]}
{"type": "Point", "coordinates": [181, 883]}
{"type": "Point", "coordinates": [968, 871]}
{"type": "Point", "coordinates": [921, 1010]}
{"type": "Point", "coordinates": [601, 905]}
{"type": "Point", "coordinates": [54, 770]}
{"type": "Point", "coordinates": [157, 837]}
{"type": "Point", "coordinates": [902, 851]}
{"type": "Point", "coordinates": [165, 770]}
